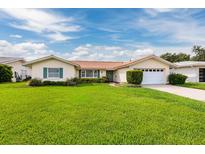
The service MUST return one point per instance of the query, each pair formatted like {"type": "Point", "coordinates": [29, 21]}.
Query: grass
{"type": "Point", "coordinates": [98, 114]}
{"type": "Point", "coordinates": [194, 85]}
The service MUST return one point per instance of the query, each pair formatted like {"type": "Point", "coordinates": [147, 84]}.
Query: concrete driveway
{"type": "Point", "coordinates": [196, 94]}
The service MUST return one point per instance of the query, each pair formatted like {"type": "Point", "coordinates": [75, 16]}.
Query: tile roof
{"type": "Point", "coordinates": [4, 60]}
{"type": "Point", "coordinates": [108, 65]}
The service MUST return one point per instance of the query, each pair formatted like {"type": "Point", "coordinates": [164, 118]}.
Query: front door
{"type": "Point", "coordinates": [109, 75]}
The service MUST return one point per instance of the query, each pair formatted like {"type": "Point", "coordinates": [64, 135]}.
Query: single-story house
{"type": "Point", "coordinates": [194, 70]}
{"type": "Point", "coordinates": [19, 71]}
{"type": "Point", "coordinates": [155, 69]}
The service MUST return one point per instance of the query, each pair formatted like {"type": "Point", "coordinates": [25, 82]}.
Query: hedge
{"type": "Point", "coordinates": [5, 73]}
{"type": "Point", "coordinates": [68, 82]}
{"type": "Point", "coordinates": [134, 76]}
{"type": "Point", "coordinates": [177, 78]}
{"type": "Point", "coordinates": [92, 80]}
{"type": "Point", "coordinates": [35, 82]}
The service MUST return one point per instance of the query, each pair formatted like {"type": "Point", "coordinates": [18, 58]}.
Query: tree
{"type": "Point", "coordinates": [173, 57]}
{"type": "Point", "coordinates": [5, 73]}
{"type": "Point", "coordinates": [199, 53]}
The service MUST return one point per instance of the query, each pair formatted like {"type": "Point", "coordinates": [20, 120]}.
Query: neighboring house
{"type": "Point", "coordinates": [156, 69]}
{"type": "Point", "coordinates": [19, 71]}
{"type": "Point", "coordinates": [194, 70]}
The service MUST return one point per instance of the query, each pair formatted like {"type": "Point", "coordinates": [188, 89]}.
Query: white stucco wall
{"type": "Point", "coordinates": [191, 72]}
{"type": "Point", "coordinates": [69, 70]}
{"type": "Point", "coordinates": [18, 67]}
{"type": "Point", "coordinates": [102, 73]}
{"type": "Point", "coordinates": [120, 74]}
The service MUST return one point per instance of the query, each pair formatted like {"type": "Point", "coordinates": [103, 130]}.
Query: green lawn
{"type": "Point", "coordinates": [194, 85]}
{"type": "Point", "coordinates": [97, 114]}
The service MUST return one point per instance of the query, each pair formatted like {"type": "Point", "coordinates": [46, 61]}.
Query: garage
{"type": "Point", "coordinates": [155, 69]}
{"type": "Point", "coordinates": [153, 76]}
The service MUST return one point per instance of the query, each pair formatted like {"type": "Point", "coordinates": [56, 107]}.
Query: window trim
{"type": "Point", "coordinates": [85, 73]}
{"type": "Point", "coordinates": [53, 77]}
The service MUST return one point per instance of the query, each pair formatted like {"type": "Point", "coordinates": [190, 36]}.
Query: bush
{"type": "Point", "coordinates": [5, 73]}
{"type": "Point", "coordinates": [92, 80]}
{"type": "Point", "coordinates": [71, 82]}
{"type": "Point", "coordinates": [68, 82]}
{"type": "Point", "coordinates": [177, 78]}
{"type": "Point", "coordinates": [35, 82]}
{"type": "Point", "coordinates": [134, 76]}
{"type": "Point", "coordinates": [54, 83]}
{"type": "Point", "coordinates": [27, 78]}
{"type": "Point", "coordinates": [104, 79]}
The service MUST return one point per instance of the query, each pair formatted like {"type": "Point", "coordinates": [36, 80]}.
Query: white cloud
{"type": "Point", "coordinates": [158, 50]}
{"type": "Point", "coordinates": [15, 36]}
{"type": "Point", "coordinates": [114, 53]}
{"type": "Point", "coordinates": [163, 9]}
{"type": "Point", "coordinates": [41, 21]}
{"type": "Point", "coordinates": [156, 11]}
{"type": "Point", "coordinates": [58, 37]}
{"type": "Point", "coordinates": [28, 50]}
{"type": "Point", "coordinates": [177, 30]}
{"type": "Point", "coordinates": [31, 50]}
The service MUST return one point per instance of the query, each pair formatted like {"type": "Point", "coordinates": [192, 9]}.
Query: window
{"type": "Point", "coordinates": [95, 73]}
{"type": "Point", "coordinates": [83, 73]}
{"type": "Point", "coordinates": [89, 73]}
{"type": "Point", "coordinates": [53, 72]}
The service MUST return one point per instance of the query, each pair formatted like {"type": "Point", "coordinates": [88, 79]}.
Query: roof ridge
{"type": "Point", "coordinates": [97, 61]}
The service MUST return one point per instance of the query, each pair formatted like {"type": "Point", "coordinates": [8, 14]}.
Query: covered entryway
{"type": "Point", "coordinates": [109, 75]}
{"type": "Point", "coordinates": [153, 76]}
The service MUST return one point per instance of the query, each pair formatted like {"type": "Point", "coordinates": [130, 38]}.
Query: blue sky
{"type": "Point", "coordinates": [99, 34]}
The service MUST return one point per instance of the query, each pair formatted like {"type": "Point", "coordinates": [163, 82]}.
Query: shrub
{"type": "Point", "coordinates": [92, 80]}
{"type": "Point", "coordinates": [27, 78]}
{"type": "Point", "coordinates": [35, 82]}
{"type": "Point", "coordinates": [104, 79]}
{"type": "Point", "coordinates": [68, 82]}
{"type": "Point", "coordinates": [177, 78]}
{"type": "Point", "coordinates": [5, 73]}
{"type": "Point", "coordinates": [54, 83]}
{"type": "Point", "coordinates": [134, 76]}
{"type": "Point", "coordinates": [71, 82]}
{"type": "Point", "coordinates": [75, 80]}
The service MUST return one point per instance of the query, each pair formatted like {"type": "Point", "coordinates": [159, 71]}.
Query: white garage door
{"type": "Point", "coordinates": [153, 76]}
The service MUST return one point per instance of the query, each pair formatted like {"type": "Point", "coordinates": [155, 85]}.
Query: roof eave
{"type": "Point", "coordinates": [12, 61]}
{"type": "Point", "coordinates": [50, 57]}
{"type": "Point", "coordinates": [146, 58]}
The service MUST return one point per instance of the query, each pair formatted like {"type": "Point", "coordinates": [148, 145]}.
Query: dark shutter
{"type": "Point", "coordinates": [79, 73]}
{"type": "Point", "coordinates": [98, 73]}
{"type": "Point", "coordinates": [61, 72]}
{"type": "Point", "coordinates": [45, 72]}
